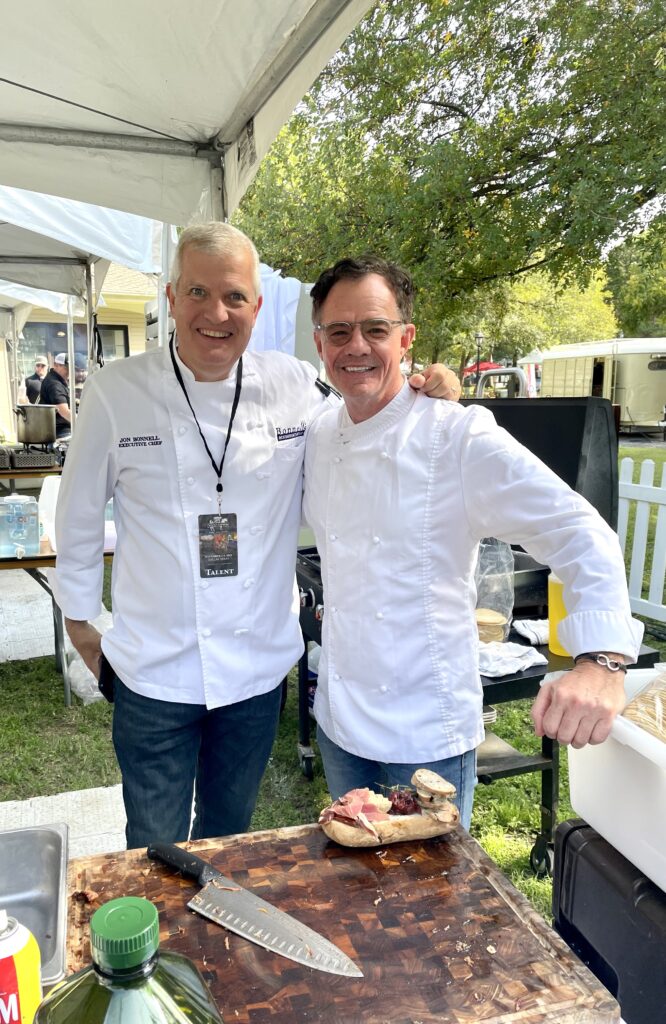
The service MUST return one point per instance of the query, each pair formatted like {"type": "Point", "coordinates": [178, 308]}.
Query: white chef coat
{"type": "Point", "coordinates": [398, 504]}
{"type": "Point", "coordinates": [176, 636]}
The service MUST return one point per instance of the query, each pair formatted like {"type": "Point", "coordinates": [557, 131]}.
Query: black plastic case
{"type": "Point", "coordinates": [613, 918]}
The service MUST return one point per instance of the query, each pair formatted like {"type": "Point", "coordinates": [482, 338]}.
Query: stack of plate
{"type": "Point", "coordinates": [491, 625]}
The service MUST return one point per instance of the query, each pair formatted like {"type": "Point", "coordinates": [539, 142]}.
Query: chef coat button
{"type": "Point", "coordinates": [379, 615]}
{"type": "Point", "coordinates": [190, 480]}
{"type": "Point", "coordinates": [205, 584]}
{"type": "Point", "coordinates": [383, 689]}
{"type": "Point", "coordinates": [241, 632]}
{"type": "Point", "coordinates": [337, 459]}
{"type": "Point", "coordinates": [334, 608]}
{"type": "Point", "coordinates": [182, 430]}
{"type": "Point", "coordinates": [205, 632]}
{"type": "Point", "coordinates": [333, 536]}
{"type": "Point", "coordinates": [384, 455]}
{"type": "Point", "coordinates": [255, 529]}
{"type": "Point", "coordinates": [248, 583]}
{"type": "Point", "coordinates": [262, 476]}
{"type": "Point", "coordinates": [375, 540]}
{"type": "Point", "coordinates": [337, 675]}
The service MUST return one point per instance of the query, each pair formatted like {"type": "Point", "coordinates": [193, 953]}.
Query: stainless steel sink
{"type": "Point", "coordinates": [33, 889]}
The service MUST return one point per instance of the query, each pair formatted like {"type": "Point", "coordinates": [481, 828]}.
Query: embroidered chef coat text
{"type": "Point", "coordinates": [288, 433]}
{"type": "Point", "coordinates": [139, 442]}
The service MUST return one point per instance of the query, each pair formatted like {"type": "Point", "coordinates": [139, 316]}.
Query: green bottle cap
{"type": "Point", "coordinates": [124, 933]}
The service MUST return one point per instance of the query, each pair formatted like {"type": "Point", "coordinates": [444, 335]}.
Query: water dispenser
{"type": "Point", "coordinates": [19, 526]}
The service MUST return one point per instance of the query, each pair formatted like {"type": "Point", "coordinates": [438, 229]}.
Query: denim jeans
{"type": "Point", "coordinates": [345, 771]}
{"type": "Point", "coordinates": [169, 753]}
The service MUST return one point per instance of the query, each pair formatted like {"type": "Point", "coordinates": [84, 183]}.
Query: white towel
{"type": "Point", "coordinates": [497, 659]}
{"type": "Point", "coordinates": [534, 630]}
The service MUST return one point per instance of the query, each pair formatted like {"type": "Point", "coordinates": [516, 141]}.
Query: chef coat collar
{"type": "Point", "coordinates": [188, 376]}
{"type": "Point", "coordinates": [381, 421]}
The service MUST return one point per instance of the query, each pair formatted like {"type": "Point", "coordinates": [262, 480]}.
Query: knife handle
{"type": "Point", "coordinates": [188, 864]}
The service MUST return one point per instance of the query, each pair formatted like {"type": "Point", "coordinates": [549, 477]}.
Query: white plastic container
{"type": "Point", "coordinates": [619, 788]}
{"type": "Point", "coordinates": [48, 497]}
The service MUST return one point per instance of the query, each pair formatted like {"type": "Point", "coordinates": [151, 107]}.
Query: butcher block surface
{"type": "Point", "coordinates": [439, 933]}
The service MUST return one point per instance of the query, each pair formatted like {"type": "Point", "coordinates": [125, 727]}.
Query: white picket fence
{"type": "Point", "coordinates": [646, 598]}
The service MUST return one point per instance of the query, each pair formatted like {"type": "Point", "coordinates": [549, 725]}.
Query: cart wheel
{"type": "Point", "coordinates": [542, 858]}
{"type": "Point", "coordinates": [306, 756]}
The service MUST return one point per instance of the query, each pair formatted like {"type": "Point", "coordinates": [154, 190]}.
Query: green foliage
{"type": "Point", "coordinates": [472, 141]}
{"type": "Point", "coordinates": [637, 284]}
{"type": "Point", "coordinates": [531, 312]}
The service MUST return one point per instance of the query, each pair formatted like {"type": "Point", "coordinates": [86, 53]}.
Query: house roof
{"type": "Point", "coordinates": [122, 281]}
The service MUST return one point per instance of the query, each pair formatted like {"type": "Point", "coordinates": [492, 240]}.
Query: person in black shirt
{"type": "Point", "coordinates": [55, 391]}
{"type": "Point", "coordinates": [33, 383]}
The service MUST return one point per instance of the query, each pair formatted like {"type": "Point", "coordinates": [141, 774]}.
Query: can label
{"type": "Point", "coordinates": [20, 978]}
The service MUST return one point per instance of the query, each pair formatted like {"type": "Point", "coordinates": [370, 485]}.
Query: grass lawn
{"type": "Point", "coordinates": [48, 748]}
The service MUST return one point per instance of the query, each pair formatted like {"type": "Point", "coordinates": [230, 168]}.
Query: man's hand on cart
{"type": "Point", "coordinates": [580, 706]}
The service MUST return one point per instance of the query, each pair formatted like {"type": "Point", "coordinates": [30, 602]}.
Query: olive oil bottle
{"type": "Point", "coordinates": [130, 978]}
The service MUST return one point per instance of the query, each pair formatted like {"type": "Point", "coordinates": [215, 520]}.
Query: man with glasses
{"type": "Point", "coordinates": [399, 492]}
{"type": "Point", "coordinates": [200, 445]}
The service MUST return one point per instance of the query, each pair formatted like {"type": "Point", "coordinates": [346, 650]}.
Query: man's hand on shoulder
{"type": "Point", "coordinates": [437, 381]}
{"type": "Point", "coordinates": [580, 706]}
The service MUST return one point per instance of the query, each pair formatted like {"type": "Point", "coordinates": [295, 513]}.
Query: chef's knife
{"type": "Point", "coordinates": [226, 903]}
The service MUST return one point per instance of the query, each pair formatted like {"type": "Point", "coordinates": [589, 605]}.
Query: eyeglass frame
{"type": "Point", "coordinates": [322, 328]}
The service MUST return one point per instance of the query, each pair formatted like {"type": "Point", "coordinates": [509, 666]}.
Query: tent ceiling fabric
{"type": "Point", "coordinates": [46, 242]}
{"type": "Point", "coordinates": [180, 103]}
{"type": "Point", "coordinates": [13, 296]}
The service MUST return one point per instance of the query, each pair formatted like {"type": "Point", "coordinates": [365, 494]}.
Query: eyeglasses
{"type": "Point", "coordinates": [376, 330]}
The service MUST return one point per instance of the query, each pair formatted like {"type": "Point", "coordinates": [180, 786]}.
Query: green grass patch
{"type": "Point", "coordinates": [46, 747]}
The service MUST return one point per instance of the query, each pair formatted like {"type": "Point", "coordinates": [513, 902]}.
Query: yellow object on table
{"type": "Point", "coordinates": [556, 612]}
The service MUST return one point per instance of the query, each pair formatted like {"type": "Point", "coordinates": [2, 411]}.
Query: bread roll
{"type": "Point", "coordinates": [397, 829]}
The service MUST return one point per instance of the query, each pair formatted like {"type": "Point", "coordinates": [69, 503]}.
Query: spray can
{"type": "Point", "coordinates": [20, 972]}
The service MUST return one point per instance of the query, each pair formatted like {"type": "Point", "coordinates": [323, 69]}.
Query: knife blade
{"type": "Point", "coordinates": [223, 901]}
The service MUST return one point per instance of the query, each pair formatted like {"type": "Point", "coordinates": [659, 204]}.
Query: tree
{"type": "Point", "coordinates": [473, 141]}
{"type": "Point", "coordinates": [637, 285]}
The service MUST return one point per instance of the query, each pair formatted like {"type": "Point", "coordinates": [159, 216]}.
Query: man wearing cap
{"type": "Point", "coordinates": [55, 391]}
{"type": "Point", "coordinates": [33, 383]}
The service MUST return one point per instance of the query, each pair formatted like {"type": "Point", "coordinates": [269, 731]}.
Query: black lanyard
{"type": "Point", "coordinates": [234, 406]}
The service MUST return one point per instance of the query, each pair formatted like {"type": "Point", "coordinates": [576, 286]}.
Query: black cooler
{"type": "Point", "coordinates": [613, 918]}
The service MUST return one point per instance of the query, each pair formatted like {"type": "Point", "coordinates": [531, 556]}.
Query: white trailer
{"type": "Point", "coordinates": [630, 372]}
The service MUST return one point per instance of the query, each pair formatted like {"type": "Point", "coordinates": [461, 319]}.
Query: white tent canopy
{"type": "Point", "coordinates": [48, 243]}
{"type": "Point", "coordinates": [16, 297]}
{"type": "Point", "coordinates": [161, 110]}
{"type": "Point", "coordinates": [48, 249]}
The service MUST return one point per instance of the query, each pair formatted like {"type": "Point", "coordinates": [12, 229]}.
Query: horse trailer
{"type": "Point", "coordinates": [629, 372]}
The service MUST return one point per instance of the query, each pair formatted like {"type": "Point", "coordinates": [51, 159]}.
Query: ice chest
{"type": "Point", "coordinates": [613, 918]}
{"type": "Point", "coordinates": [619, 788]}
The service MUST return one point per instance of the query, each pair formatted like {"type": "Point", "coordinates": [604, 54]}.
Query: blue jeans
{"type": "Point", "coordinates": [170, 752]}
{"type": "Point", "coordinates": [345, 771]}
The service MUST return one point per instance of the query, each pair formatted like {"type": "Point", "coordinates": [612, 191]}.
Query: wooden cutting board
{"type": "Point", "coordinates": [439, 933]}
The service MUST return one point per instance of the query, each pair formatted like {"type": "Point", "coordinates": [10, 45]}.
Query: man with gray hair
{"type": "Point", "coordinates": [200, 445]}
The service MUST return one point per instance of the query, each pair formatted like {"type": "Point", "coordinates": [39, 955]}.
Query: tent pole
{"type": "Point", "coordinates": [13, 365]}
{"type": "Point", "coordinates": [90, 314]}
{"type": "Point", "coordinates": [218, 194]}
{"type": "Point", "coordinates": [162, 304]}
{"type": "Point", "coordinates": [71, 359]}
